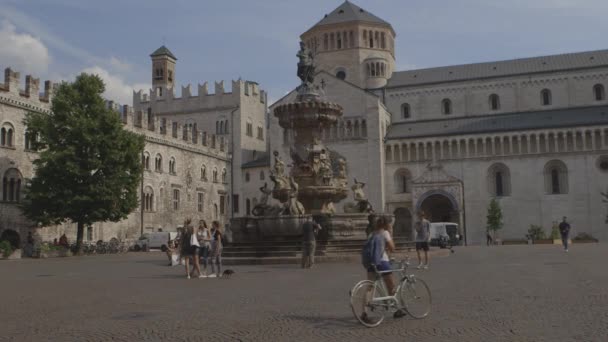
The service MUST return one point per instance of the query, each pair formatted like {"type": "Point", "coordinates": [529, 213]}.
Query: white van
{"type": "Point", "coordinates": [442, 233]}
{"type": "Point", "coordinates": [153, 240]}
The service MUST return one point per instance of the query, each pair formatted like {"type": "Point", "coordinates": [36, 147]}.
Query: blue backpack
{"type": "Point", "coordinates": [373, 250]}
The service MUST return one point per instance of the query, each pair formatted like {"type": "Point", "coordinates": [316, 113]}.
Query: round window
{"type": "Point", "coordinates": [602, 163]}
{"type": "Point", "coordinates": [341, 75]}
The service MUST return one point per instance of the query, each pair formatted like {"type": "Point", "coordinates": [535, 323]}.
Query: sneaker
{"type": "Point", "coordinates": [211, 276]}
{"type": "Point", "coordinates": [426, 267]}
{"type": "Point", "coordinates": [188, 276]}
{"type": "Point", "coordinates": [399, 313]}
{"type": "Point", "coordinates": [202, 276]}
{"type": "Point", "coordinates": [566, 250]}
{"type": "Point", "coordinates": [419, 266]}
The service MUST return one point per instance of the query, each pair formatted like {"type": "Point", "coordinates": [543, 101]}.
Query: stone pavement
{"type": "Point", "coordinates": [502, 293]}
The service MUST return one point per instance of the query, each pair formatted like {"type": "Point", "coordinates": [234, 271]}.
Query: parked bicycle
{"type": "Point", "coordinates": [370, 302]}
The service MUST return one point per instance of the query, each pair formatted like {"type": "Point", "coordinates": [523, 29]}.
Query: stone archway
{"type": "Point", "coordinates": [439, 206]}
{"type": "Point", "coordinates": [403, 223]}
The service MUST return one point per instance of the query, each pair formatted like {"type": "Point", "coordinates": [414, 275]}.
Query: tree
{"type": "Point", "coordinates": [89, 167]}
{"type": "Point", "coordinates": [494, 218]}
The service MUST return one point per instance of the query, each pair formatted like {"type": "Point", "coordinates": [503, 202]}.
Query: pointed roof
{"type": "Point", "coordinates": [350, 12]}
{"type": "Point", "coordinates": [163, 51]}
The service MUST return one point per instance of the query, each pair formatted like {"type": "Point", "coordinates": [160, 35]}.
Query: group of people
{"type": "Point", "coordinates": [196, 245]}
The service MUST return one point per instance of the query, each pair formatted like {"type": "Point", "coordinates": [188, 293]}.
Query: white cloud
{"type": "Point", "coordinates": [117, 89]}
{"type": "Point", "coordinates": [21, 51]}
{"type": "Point", "coordinates": [119, 65]}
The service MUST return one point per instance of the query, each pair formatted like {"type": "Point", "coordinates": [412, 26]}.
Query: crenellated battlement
{"type": "Point", "coordinates": [166, 99]}
{"type": "Point", "coordinates": [12, 79]}
{"type": "Point", "coordinates": [172, 132]}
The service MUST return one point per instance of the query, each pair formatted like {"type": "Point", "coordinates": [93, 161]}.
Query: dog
{"type": "Point", "coordinates": [227, 274]}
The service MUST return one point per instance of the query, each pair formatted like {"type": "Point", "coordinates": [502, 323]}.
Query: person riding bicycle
{"type": "Point", "coordinates": [376, 258]}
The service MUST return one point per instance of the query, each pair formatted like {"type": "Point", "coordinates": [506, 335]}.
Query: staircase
{"type": "Point", "coordinates": [290, 251]}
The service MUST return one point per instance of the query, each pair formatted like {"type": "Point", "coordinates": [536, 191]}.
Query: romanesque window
{"type": "Point", "coordinates": [556, 177]}
{"type": "Point", "coordinates": [158, 163]}
{"type": "Point", "coordinates": [11, 185]}
{"type": "Point", "coordinates": [446, 106]}
{"type": "Point", "coordinates": [224, 173]}
{"type": "Point", "coordinates": [545, 97]}
{"type": "Point", "coordinates": [201, 202]}
{"type": "Point", "coordinates": [248, 207]}
{"type": "Point", "coordinates": [6, 135]}
{"type": "Point", "coordinates": [499, 180]}
{"type": "Point", "coordinates": [403, 180]}
{"type": "Point", "coordinates": [176, 199]}
{"type": "Point", "coordinates": [172, 166]}
{"type": "Point", "coordinates": [203, 173]}
{"type": "Point", "coordinates": [598, 92]}
{"type": "Point", "coordinates": [146, 160]}
{"type": "Point", "coordinates": [246, 176]}
{"type": "Point", "coordinates": [148, 199]}
{"type": "Point", "coordinates": [262, 176]}
{"type": "Point", "coordinates": [494, 102]}
{"type": "Point", "coordinates": [405, 110]}
{"type": "Point", "coordinates": [215, 175]}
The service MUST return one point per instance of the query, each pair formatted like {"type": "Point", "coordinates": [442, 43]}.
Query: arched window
{"type": "Point", "coordinates": [224, 174]}
{"type": "Point", "coordinates": [248, 206]}
{"type": "Point", "coordinates": [215, 175]}
{"type": "Point", "coordinates": [499, 180]}
{"type": "Point", "coordinates": [246, 176]}
{"type": "Point", "coordinates": [494, 102]}
{"type": "Point", "coordinates": [598, 92]}
{"type": "Point", "coordinates": [226, 127]}
{"type": "Point", "coordinates": [403, 181]}
{"type": "Point", "coordinates": [363, 128]}
{"type": "Point", "coordinates": [148, 199]}
{"type": "Point", "coordinates": [146, 160]}
{"type": "Point", "coordinates": [556, 177]}
{"type": "Point", "coordinates": [6, 135]}
{"type": "Point", "coordinates": [204, 173]}
{"type": "Point", "coordinates": [221, 127]}
{"type": "Point", "coordinates": [172, 166]}
{"type": "Point", "coordinates": [545, 97]}
{"type": "Point", "coordinates": [405, 110]}
{"type": "Point", "coordinates": [262, 176]}
{"type": "Point", "coordinates": [11, 185]}
{"type": "Point", "coordinates": [357, 129]}
{"type": "Point", "coordinates": [446, 106]}
{"type": "Point", "coordinates": [158, 163]}
{"type": "Point", "coordinates": [341, 74]}
{"type": "Point", "coordinates": [217, 127]}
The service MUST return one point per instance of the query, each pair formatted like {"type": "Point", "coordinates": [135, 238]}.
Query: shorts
{"type": "Point", "coordinates": [382, 266]}
{"type": "Point", "coordinates": [194, 250]}
{"type": "Point", "coordinates": [422, 245]}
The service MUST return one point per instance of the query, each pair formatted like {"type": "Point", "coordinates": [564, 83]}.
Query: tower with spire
{"type": "Point", "coordinates": [163, 70]}
{"type": "Point", "coordinates": [354, 45]}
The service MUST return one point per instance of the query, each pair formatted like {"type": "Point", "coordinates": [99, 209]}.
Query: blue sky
{"type": "Point", "coordinates": [258, 40]}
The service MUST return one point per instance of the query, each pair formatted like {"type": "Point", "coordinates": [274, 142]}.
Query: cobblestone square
{"type": "Point", "coordinates": [509, 293]}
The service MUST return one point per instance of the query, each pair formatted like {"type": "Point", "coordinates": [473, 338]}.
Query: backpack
{"type": "Point", "coordinates": [373, 250]}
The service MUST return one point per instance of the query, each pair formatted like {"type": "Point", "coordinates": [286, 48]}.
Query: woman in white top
{"type": "Point", "coordinates": [204, 239]}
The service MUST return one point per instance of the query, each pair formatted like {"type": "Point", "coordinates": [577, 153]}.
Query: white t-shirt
{"type": "Point", "coordinates": [387, 239]}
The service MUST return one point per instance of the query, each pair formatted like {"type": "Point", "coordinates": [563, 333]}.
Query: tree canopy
{"type": "Point", "coordinates": [89, 167]}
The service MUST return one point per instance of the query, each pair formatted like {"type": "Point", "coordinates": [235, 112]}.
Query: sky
{"type": "Point", "coordinates": [258, 40]}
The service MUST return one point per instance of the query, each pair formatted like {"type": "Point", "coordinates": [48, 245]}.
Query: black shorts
{"type": "Point", "coordinates": [422, 245]}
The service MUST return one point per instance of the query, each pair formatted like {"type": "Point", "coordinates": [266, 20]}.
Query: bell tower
{"type": "Point", "coordinates": [163, 70]}
{"type": "Point", "coordinates": [353, 45]}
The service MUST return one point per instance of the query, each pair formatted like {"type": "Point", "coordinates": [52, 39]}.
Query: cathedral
{"type": "Point", "coordinates": [531, 133]}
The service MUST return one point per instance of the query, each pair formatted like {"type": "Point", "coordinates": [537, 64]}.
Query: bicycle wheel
{"type": "Point", "coordinates": [416, 297]}
{"type": "Point", "coordinates": [366, 312]}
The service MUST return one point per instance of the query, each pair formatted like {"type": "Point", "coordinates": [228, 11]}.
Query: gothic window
{"type": "Point", "coordinates": [158, 163]}
{"type": "Point", "coordinates": [499, 180]}
{"type": "Point", "coordinates": [494, 102]}
{"type": "Point", "coordinates": [357, 129]}
{"type": "Point", "coordinates": [403, 180]}
{"type": "Point", "coordinates": [6, 135]}
{"type": "Point", "coordinates": [545, 97]}
{"type": "Point", "coordinates": [174, 130]}
{"type": "Point", "coordinates": [405, 110]}
{"type": "Point", "coordinates": [224, 174]}
{"type": "Point", "coordinates": [203, 173]}
{"type": "Point", "coordinates": [226, 127]}
{"type": "Point", "coordinates": [176, 199]}
{"type": "Point", "coordinates": [215, 175]}
{"type": "Point", "coordinates": [172, 166]}
{"type": "Point", "coordinates": [446, 106]}
{"type": "Point", "coordinates": [170, 78]}
{"type": "Point", "coordinates": [217, 127]}
{"type": "Point", "coordinates": [598, 92]}
{"type": "Point", "coordinates": [148, 199]}
{"type": "Point", "coordinates": [222, 204]}
{"type": "Point", "coordinates": [11, 185]}
{"type": "Point", "coordinates": [363, 128]}
{"type": "Point", "coordinates": [201, 202]}
{"type": "Point", "coordinates": [260, 133]}
{"type": "Point", "coordinates": [249, 129]}
{"type": "Point", "coordinates": [556, 177]}
{"type": "Point", "coordinates": [146, 160]}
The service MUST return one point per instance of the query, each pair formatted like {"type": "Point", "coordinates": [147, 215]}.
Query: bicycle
{"type": "Point", "coordinates": [370, 302]}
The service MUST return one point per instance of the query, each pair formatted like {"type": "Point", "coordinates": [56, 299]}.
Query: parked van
{"type": "Point", "coordinates": [443, 233]}
{"type": "Point", "coordinates": [153, 240]}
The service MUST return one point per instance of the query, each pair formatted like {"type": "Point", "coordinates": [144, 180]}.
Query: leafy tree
{"type": "Point", "coordinates": [89, 167]}
{"type": "Point", "coordinates": [494, 217]}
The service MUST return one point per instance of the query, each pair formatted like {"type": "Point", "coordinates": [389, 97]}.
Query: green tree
{"type": "Point", "coordinates": [89, 167]}
{"type": "Point", "coordinates": [494, 217]}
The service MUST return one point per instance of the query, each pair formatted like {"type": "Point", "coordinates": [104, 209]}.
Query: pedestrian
{"type": "Point", "coordinates": [204, 239]}
{"type": "Point", "coordinates": [216, 250]}
{"type": "Point", "coordinates": [423, 236]}
{"type": "Point", "coordinates": [564, 230]}
{"type": "Point", "coordinates": [190, 248]}
{"type": "Point", "coordinates": [489, 239]}
{"type": "Point", "coordinates": [309, 231]}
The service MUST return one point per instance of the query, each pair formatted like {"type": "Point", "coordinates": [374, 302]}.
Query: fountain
{"type": "Point", "coordinates": [318, 177]}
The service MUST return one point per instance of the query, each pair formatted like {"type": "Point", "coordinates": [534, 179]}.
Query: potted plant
{"type": "Point", "coordinates": [10, 241]}
{"type": "Point", "coordinates": [584, 238]}
{"type": "Point", "coordinates": [536, 235]}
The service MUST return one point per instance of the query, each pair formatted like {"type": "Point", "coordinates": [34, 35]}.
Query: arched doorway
{"type": "Point", "coordinates": [439, 206]}
{"type": "Point", "coordinates": [403, 223]}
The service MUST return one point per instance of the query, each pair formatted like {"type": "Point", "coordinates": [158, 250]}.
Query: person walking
{"type": "Point", "coordinates": [309, 231]}
{"type": "Point", "coordinates": [204, 239]}
{"type": "Point", "coordinates": [216, 250]}
{"type": "Point", "coordinates": [564, 230]}
{"type": "Point", "coordinates": [190, 249]}
{"type": "Point", "coordinates": [489, 238]}
{"type": "Point", "coordinates": [423, 235]}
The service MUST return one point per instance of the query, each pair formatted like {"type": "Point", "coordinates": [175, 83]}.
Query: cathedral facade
{"type": "Point", "coordinates": [531, 133]}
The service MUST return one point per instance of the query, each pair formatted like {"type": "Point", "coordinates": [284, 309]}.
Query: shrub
{"type": "Point", "coordinates": [584, 236]}
{"type": "Point", "coordinates": [535, 233]}
{"type": "Point", "coordinates": [12, 237]}
{"type": "Point", "coordinates": [5, 248]}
